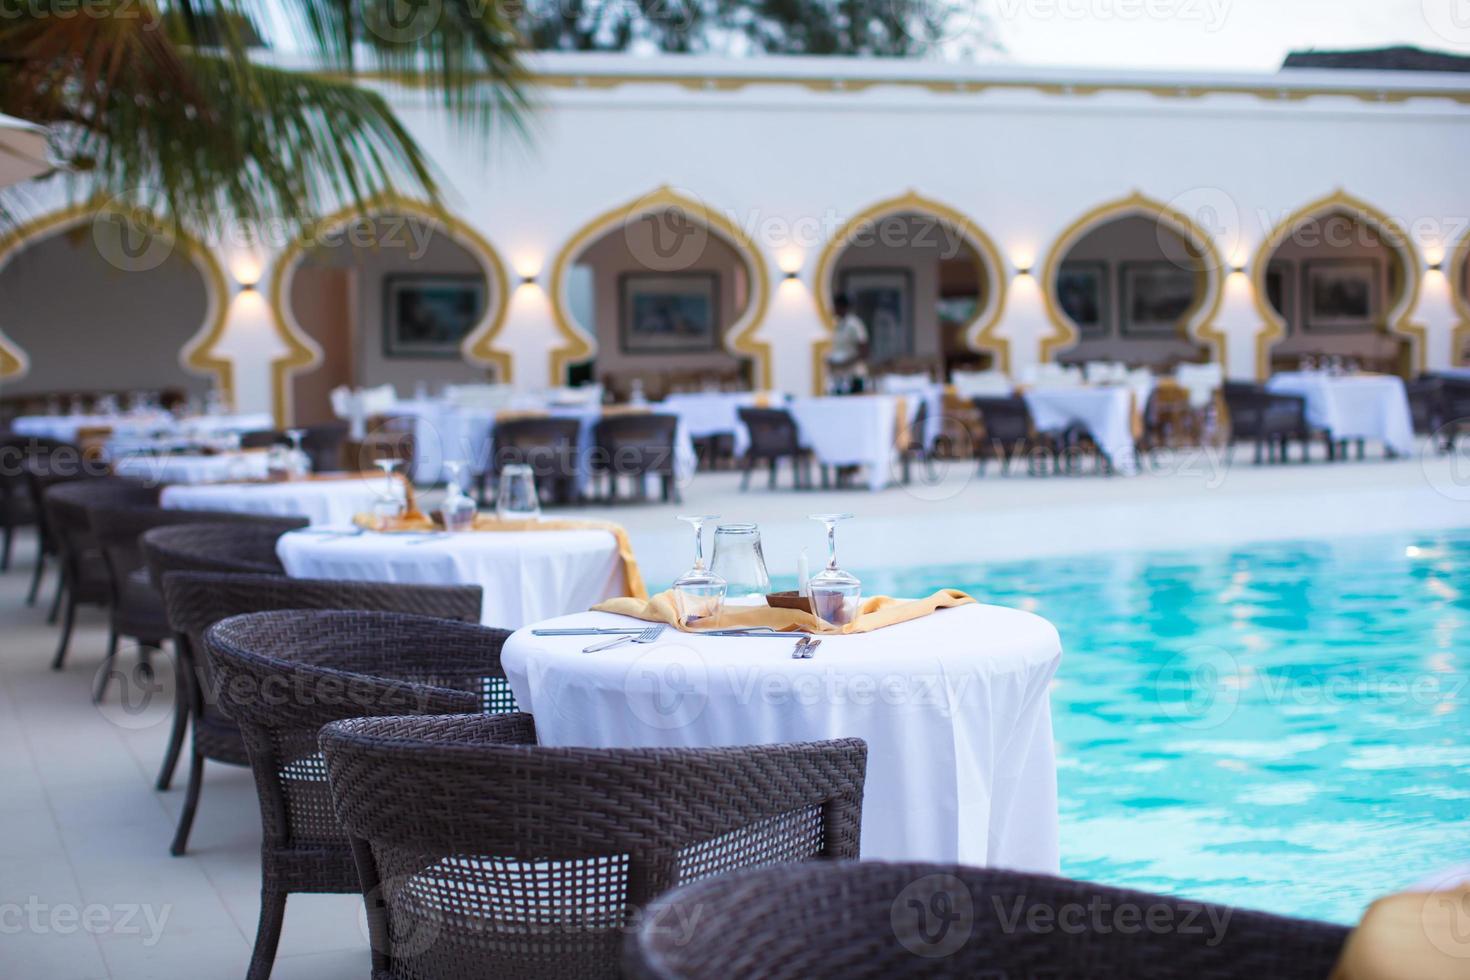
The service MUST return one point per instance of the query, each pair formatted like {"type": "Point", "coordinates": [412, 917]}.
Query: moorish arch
{"type": "Point", "coordinates": [130, 240]}
{"type": "Point", "coordinates": [1406, 268]}
{"type": "Point", "coordinates": [666, 233]}
{"type": "Point", "coordinates": [1173, 229]}
{"type": "Point", "coordinates": [1457, 258]}
{"type": "Point", "coordinates": [919, 225]}
{"type": "Point", "coordinates": [388, 215]}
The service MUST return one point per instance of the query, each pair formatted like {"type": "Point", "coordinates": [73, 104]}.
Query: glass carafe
{"type": "Point", "coordinates": [738, 560]}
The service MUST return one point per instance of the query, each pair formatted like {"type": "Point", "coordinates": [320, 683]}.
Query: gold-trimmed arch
{"type": "Point", "coordinates": [1458, 258]}
{"type": "Point", "coordinates": [1198, 321]}
{"type": "Point", "coordinates": [302, 352]}
{"type": "Point", "coordinates": [197, 354]}
{"type": "Point", "coordinates": [1397, 321]}
{"type": "Point", "coordinates": [579, 345]}
{"type": "Point", "coordinates": [979, 332]}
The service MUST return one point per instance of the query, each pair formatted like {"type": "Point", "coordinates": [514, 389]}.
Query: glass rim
{"type": "Point", "coordinates": [738, 527]}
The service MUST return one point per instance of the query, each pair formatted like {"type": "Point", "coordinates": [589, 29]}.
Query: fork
{"type": "Point", "coordinates": [648, 635]}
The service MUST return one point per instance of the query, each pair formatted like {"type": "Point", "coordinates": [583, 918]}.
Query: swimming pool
{"type": "Point", "coordinates": [1279, 726]}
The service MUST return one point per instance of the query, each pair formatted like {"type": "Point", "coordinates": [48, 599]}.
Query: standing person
{"type": "Point", "coordinates": [847, 360]}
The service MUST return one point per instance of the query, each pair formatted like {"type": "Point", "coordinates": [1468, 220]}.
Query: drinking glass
{"type": "Point", "coordinates": [835, 593]}
{"type": "Point", "coordinates": [516, 499]}
{"type": "Point", "coordinates": [737, 559]}
{"type": "Point", "coordinates": [393, 489]}
{"type": "Point", "coordinates": [699, 594]}
{"type": "Point", "coordinates": [300, 462]}
{"type": "Point", "coordinates": [458, 508]}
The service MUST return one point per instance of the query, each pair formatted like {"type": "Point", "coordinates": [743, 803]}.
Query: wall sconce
{"type": "Point", "coordinates": [1237, 270]}
{"type": "Point", "coordinates": [1023, 272]}
{"type": "Point", "coordinates": [246, 270]}
{"type": "Point", "coordinates": [1436, 267]}
{"type": "Point", "coordinates": [528, 280]}
{"type": "Point", "coordinates": [791, 275]}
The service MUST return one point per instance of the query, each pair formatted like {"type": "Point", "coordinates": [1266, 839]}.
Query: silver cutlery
{"type": "Point", "coordinates": [646, 636]}
{"type": "Point", "coordinates": [809, 649]}
{"type": "Point", "coordinates": [584, 631]}
{"type": "Point", "coordinates": [797, 651]}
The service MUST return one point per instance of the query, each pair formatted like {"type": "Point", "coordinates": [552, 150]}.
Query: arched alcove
{"type": "Point", "coordinates": [398, 295]}
{"type": "Point", "coordinates": [1457, 264]}
{"type": "Point", "coordinates": [1135, 281]}
{"type": "Point", "coordinates": [664, 291]}
{"type": "Point", "coordinates": [1338, 277]}
{"type": "Point", "coordinates": [107, 300]}
{"type": "Point", "coordinates": [927, 282]}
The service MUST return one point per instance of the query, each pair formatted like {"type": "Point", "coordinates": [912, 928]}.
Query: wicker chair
{"type": "Point", "coordinates": [16, 508]}
{"type": "Point", "coordinates": [636, 446]}
{"type": "Point", "coordinates": [230, 547]}
{"type": "Point", "coordinates": [263, 439]}
{"type": "Point", "coordinates": [533, 862]}
{"type": "Point", "coordinates": [1454, 408]}
{"type": "Point", "coordinates": [857, 921]}
{"type": "Point", "coordinates": [548, 445]}
{"type": "Point", "coordinates": [774, 437]}
{"type": "Point", "coordinates": [1270, 420]}
{"type": "Point", "coordinates": [42, 467]}
{"type": "Point", "coordinates": [324, 444]}
{"type": "Point", "coordinates": [918, 443]}
{"type": "Point", "coordinates": [84, 574]}
{"type": "Point", "coordinates": [283, 675]}
{"type": "Point", "coordinates": [1008, 432]}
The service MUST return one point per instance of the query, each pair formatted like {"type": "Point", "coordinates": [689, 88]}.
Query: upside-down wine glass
{"type": "Point", "coordinates": [394, 499]}
{"type": "Point", "coordinates": [300, 462]}
{"type": "Point", "coordinates": [834, 593]}
{"type": "Point", "coordinates": [699, 594]}
{"type": "Point", "coordinates": [458, 507]}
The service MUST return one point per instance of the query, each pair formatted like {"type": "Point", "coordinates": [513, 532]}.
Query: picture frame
{"type": "Point", "coordinates": [1156, 298]}
{"type": "Point", "coordinates": [883, 298]}
{"type": "Point", "coordinates": [1340, 295]}
{"type": "Point", "coordinates": [669, 312]}
{"type": "Point", "coordinates": [1281, 292]}
{"type": "Point", "coordinates": [429, 316]}
{"type": "Point", "coordinates": [1083, 295]}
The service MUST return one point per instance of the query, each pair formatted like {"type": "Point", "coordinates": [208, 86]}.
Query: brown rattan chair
{"type": "Point", "coordinates": [324, 444]}
{"type": "Point", "coordinates": [16, 508]}
{"type": "Point", "coordinates": [230, 547]}
{"type": "Point", "coordinates": [548, 445]}
{"type": "Point", "coordinates": [84, 575]}
{"type": "Point", "coordinates": [774, 437]}
{"type": "Point", "coordinates": [534, 862]}
{"type": "Point", "coordinates": [874, 921]}
{"type": "Point", "coordinates": [1270, 420]}
{"type": "Point", "coordinates": [263, 439]}
{"type": "Point", "coordinates": [1008, 432]}
{"type": "Point", "coordinates": [44, 464]}
{"type": "Point", "coordinates": [283, 675]}
{"type": "Point", "coordinates": [196, 601]}
{"type": "Point", "coordinates": [636, 445]}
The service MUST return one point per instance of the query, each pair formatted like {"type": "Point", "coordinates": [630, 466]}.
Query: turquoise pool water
{"type": "Point", "coordinates": [1282, 726]}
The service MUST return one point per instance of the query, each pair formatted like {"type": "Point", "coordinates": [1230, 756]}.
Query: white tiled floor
{"type": "Point", "coordinates": [84, 833]}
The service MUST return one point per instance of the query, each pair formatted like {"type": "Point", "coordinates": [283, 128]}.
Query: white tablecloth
{"type": "Point", "coordinates": [334, 501]}
{"type": "Point", "coordinates": [1106, 412]}
{"type": "Point", "coordinates": [66, 427]}
{"type": "Point", "coordinates": [711, 413]}
{"type": "Point", "coordinates": [191, 468]}
{"type": "Point", "coordinates": [954, 707]}
{"type": "Point", "coordinates": [1369, 406]}
{"type": "Point", "coordinates": [526, 575]}
{"type": "Point", "coordinates": [853, 430]}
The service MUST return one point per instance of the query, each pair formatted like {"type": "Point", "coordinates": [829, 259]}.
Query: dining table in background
{"type": "Point", "coordinates": [714, 413]}
{"type": "Point", "coordinates": [129, 430]}
{"type": "Point", "coordinates": [526, 575]}
{"type": "Point", "coordinates": [1354, 406]}
{"type": "Point", "coordinates": [329, 499]}
{"type": "Point", "coordinates": [854, 430]}
{"type": "Point", "coordinates": [954, 707]}
{"type": "Point", "coordinates": [193, 468]}
{"type": "Point", "coordinates": [1109, 413]}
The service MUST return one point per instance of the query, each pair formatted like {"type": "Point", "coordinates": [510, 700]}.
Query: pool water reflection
{"type": "Point", "coordinates": [1280, 726]}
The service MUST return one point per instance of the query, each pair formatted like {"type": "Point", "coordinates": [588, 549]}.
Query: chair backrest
{"type": "Point", "coordinates": [323, 443]}
{"type": "Point", "coordinates": [863, 920]}
{"type": "Point", "coordinates": [641, 442]}
{"type": "Point", "coordinates": [1005, 419]}
{"type": "Point", "coordinates": [263, 439]}
{"type": "Point", "coordinates": [283, 675]}
{"type": "Point", "coordinates": [219, 547]}
{"type": "Point", "coordinates": [534, 861]}
{"type": "Point", "coordinates": [69, 506]}
{"type": "Point", "coordinates": [773, 431]}
{"type": "Point", "coordinates": [547, 445]}
{"type": "Point", "coordinates": [1455, 399]}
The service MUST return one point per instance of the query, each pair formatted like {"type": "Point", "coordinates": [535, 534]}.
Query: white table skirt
{"type": "Point", "coordinates": [526, 575]}
{"type": "Point", "coordinates": [1369, 406]}
{"type": "Point", "coordinates": [853, 430]}
{"type": "Point", "coordinates": [319, 501]}
{"type": "Point", "coordinates": [954, 707]}
{"type": "Point", "coordinates": [1107, 412]}
{"type": "Point", "coordinates": [711, 413]}
{"type": "Point", "coordinates": [192, 468]}
{"type": "Point", "coordinates": [135, 427]}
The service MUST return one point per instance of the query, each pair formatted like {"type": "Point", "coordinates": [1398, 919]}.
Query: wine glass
{"type": "Point", "coordinates": [458, 508]}
{"type": "Point", "coordinates": [834, 593]}
{"type": "Point", "coordinates": [699, 594]}
{"type": "Point", "coordinates": [393, 491]}
{"type": "Point", "coordinates": [737, 558]}
{"type": "Point", "coordinates": [300, 462]}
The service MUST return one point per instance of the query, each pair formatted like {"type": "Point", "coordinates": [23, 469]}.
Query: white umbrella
{"type": "Point", "coordinates": [23, 151]}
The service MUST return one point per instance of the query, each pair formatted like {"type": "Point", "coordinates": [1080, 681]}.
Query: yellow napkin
{"type": "Point", "coordinates": [875, 612]}
{"type": "Point", "coordinates": [632, 577]}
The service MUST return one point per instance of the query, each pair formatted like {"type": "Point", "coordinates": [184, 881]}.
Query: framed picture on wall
{"type": "Point", "coordinates": [884, 300]}
{"type": "Point", "coordinates": [666, 313]}
{"type": "Point", "coordinates": [1281, 292]}
{"type": "Point", "coordinates": [430, 315]}
{"type": "Point", "coordinates": [1156, 295]}
{"type": "Point", "coordinates": [1340, 295]}
{"type": "Point", "coordinates": [1082, 292]}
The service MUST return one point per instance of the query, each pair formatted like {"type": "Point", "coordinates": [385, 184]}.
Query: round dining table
{"type": "Point", "coordinates": [526, 575]}
{"type": "Point", "coordinates": [954, 707]}
{"type": "Point", "coordinates": [324, 500]}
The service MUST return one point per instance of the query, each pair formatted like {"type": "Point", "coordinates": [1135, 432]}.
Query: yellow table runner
{"type": "Point", "coordinates": [875, 612]}
{"type": "Point", "coordinates": [416, 521]}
